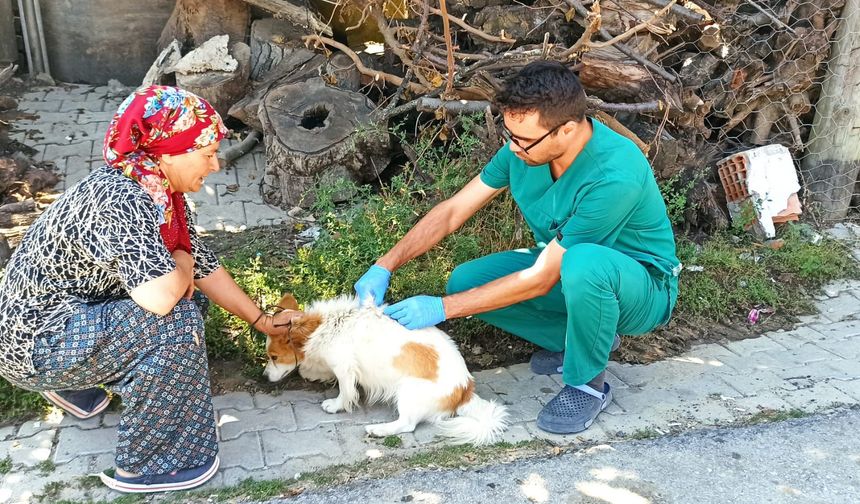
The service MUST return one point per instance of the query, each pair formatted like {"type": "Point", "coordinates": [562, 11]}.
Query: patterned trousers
{"type": "Point", "coordinates": [157, 364]}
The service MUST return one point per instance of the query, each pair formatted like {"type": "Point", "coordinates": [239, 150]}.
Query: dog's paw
{"type": "Point", "coordinates": [331, 406]}
{"type": "Point", "coordinates": [378, 430]}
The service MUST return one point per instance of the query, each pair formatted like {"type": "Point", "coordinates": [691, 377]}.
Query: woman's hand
{"type": "Point", "coordinates": [185, 261]}
{"type": "Point", "coordinates": [277, 324]}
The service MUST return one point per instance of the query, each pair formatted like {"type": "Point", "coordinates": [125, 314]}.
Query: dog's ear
{"type": "Point", "coordinates": [304, 325]}
{"type": "Point", "coordinates": [288, 302]}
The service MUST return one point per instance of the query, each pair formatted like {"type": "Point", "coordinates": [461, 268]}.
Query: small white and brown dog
{"type": "Point", "coordinates": [420, 371]}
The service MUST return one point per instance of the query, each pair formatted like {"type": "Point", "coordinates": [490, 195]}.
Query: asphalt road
{"type": "Point", "coordinates": [810, 460]}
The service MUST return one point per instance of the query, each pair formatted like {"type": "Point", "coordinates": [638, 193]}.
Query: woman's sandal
{"type": "Point", "coordinates": [81, 404]}
{"type": "Point", "coordinates": [182, 479]}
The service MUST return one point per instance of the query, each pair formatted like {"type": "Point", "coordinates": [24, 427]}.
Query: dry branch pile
{"type": "Point", "coordinates": [688, 80]}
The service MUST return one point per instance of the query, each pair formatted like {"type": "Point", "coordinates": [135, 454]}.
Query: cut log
{"type": "Point", "coordinates": [317, 134]}
{"type": "Point", "coordinates": [196, 21]}
{"type": "Point", "coordinates": [272, 40]}
{"type": "Point", "coordinates": [299, 65]}
{"type": "Point", "coordinates": [833, 162]}
{"type": "Point", "coordinates": [299, 16]}
{"type": "Point", "coordinates": [221, 89]}
{"type": "Point", "coordinates": [342, 72]}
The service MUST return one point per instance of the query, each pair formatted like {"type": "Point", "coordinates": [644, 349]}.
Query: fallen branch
{"type": "Point", "coordinates": [627, 34]}
{"type": "Point", "coordinates": [469, 28]}
{"type": "Point", "coordinates": [245, 146]}
{"type": "Point", "coordinates": [679, 10]}
{"type": "Point", "coordinates": [301, 16]}
{"type": "Point", "coordinates": [449, 47]}
{"type": "Point", "coordinates": [375, 74]}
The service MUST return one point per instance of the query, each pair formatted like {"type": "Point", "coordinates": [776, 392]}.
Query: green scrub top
{"type": "Point", "coordinates": [608, 196]}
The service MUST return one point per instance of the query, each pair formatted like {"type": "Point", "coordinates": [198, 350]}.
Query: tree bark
{"type": "Point", "coordinates": [196, 21]}
{"type": "Point", "coordinates": [221, 89]}
{"type": "Point", "coordinates": [832, 164]}
{"type": "Point", "coordinates": [318, 134]}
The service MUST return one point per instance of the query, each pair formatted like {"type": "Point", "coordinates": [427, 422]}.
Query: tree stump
{"type": "Point", "coordinates": [221, 89]}
{"type": "Point", "coordinates": [318, 135]}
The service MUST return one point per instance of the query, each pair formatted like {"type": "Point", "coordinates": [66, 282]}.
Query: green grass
{"type": "Point", "coordinates": [392, 442]}
{"type": "Point", "coordinates": [6, 465]}
{"type": "Point", "coordinates": [46, 467]}
{"type": "Point", "coordinates": [773, 415]}
{"type": "Point", "coordinates": [646, 433]}
{"type": "Point", "coordinates": [17, 403]}
{"type": "Point", "coordinates": [740, 274]}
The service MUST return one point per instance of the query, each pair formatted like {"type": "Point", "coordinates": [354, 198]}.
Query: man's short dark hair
{"type": "Point", "coordinates": [547, 87]}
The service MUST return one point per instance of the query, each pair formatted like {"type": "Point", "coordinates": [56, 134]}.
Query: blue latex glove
{"type": "Point", "coordinates": [373, 284]}
{"type": "Point", "coordinates": [417, 312]}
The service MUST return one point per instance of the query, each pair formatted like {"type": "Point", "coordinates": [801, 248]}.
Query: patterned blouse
{"type": "Point", "coordinates": [97, 242]}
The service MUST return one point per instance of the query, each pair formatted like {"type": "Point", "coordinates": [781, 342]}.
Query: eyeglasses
{"type": "Point", "coordinates": [508, 136]}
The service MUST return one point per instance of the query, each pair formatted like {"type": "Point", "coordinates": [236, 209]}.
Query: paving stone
{"type": "Point", "coordinates": [111, 419]}
{"type": "Point", "coordinates": [522, 409]}
{"type": "Point", "coordinates": [30, 451]}
{"type": "Point", "coordinates": [745, 407]}
{"type": "Point", "coordinates": [94, 117]}
{"type": "Point", "coordinates": [818, 396]}
{"type": "Point", "coordinates": [516, 433]}
{"type": "Point", "coordinates": [205, 198]}
{"type": "Point", "coordinates": [226, 217]}
{"type": "Point", "coordinates": [244, 451]}
{"type": "Point", "coordinates": [754, 382]}
{"type": "Point", "coordinates": [839, 308]}
{"type": "Point", "coordinates": [263, 401]}
{"type": "Point", "coordinates": [595, 433]}
{"type": "Point", "coordinates": [34, 425]}
{"type": "Point", "coordinates": [843, 369]}
{"type": "Point", "coordinates": [222, 177]}
{"type": "Point", "coordinates": [660, 372]}
{"type": "Point", "coordinates": [30, 486]}
{"type": "Point", "coordinates": [750, 346]}
{"type": "Point", "coordinates": [838, 330]}
{"type": "Point", "coordinates": [310, 416]}
{"type": "Point", "coordinates": [73, 442]}
{"type": "Point", "coordinates": [7, 432]}
{"type": "Point", "coordinates": [758, 361]}
{"type": "Point", "coordinates": [798, 336]}
{"type": "Point", "coordinates": [259, 214]}
{"type": "Point", "coordinates": [425, 434]}
{"type": "Point", "coordinates": [234, 423]}
{"type": "Point", "coordinates": [40, 106]}
{"type": "Point", "coordinates": [498, 377]}
{"type": "Point", "coordinates": [533, 386]}
{"type": "Point", "coordinates": [850, 387]}
{"type": "Point", "coordinates": [357, 445]}
{"type": "Point", "coordinates": [90, 423]}
{"type": "Point", "coordinates": [280, 447]}
{"type": "Point", "coordinates": [845, 349]}
{"type": "Point", "coordinates": [233, 400]}
{"type": "Point", "coordinates": [75, 169]}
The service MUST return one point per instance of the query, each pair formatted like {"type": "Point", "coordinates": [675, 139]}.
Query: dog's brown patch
{"type": "Point", "coordinates": [418, 360]}
{"type": "Point", "coordinates": [288, 302]}
{"type": "Point", "coordinates": [460, 396]}
{"type": "Point", "coordinates": [290, 348]}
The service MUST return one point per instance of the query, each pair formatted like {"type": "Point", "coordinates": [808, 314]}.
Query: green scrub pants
{"type": "Point", "coordinates": [601, 292]}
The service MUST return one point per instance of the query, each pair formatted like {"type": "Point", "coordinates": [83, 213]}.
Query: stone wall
{"type": "Point", "coordinates": [91, 41]}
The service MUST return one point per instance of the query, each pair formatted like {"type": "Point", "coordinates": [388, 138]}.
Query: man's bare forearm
{"type": "Point", "coordinates": [429, 231]}
{"type": "Point", "coordinates": [505, 291]}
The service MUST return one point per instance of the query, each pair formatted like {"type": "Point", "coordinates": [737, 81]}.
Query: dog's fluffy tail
{"type": "Point", "coordinates": [478, 421]}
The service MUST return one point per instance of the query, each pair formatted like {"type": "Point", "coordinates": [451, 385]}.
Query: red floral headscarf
{"type": "Point", "coordinates": [156, 120]}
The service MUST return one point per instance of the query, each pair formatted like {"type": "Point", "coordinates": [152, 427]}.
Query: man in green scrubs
{"type": "Point", "coordinates": [604, 261]}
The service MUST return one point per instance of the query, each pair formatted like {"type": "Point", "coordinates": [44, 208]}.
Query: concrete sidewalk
{"type": "Point", "coordinates": [812, 367]}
